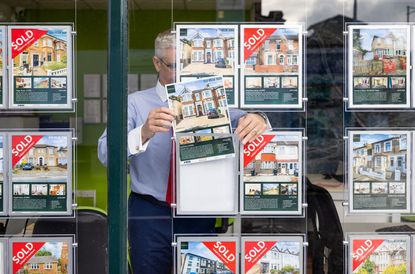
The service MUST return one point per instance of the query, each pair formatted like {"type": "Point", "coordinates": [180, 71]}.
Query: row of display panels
{"type": "Point", "coordinates": [379, 170]}
{"type": "Point", "coordinates": [39, 255]}
{"type": "Point", "coordinates": [36, 65]}
{"type": "Point", "coordinates": [262, 64]}
{"type": "Point", "coordinates": [270, 181]}
{"type": "Point", "coordinates": [366, 253]}
{"type": "Point", "coordinates": [36, 173]}
{"type": "Point", "coordinates": [378, 164]}
{"type": "Point", "coordinates": [234, 255]}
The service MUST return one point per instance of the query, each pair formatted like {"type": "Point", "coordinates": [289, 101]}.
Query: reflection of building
{"type": "Point", "coordinates": [279, 157]}
{"type": "Point", "coordinates": [45, 50]}
{"type": "Point", "coordinates": [199, 102]}
{"type": "Point", "coordinates": [385, 159]}
{"type": "Point", "coordinates": [42, 154]}
{"type": "Point", "coordinates": [41, 264]}
{"type": "Point", "coordinates": [277, 258]}
{"type": "Point", "coordinates": [279, 53]}
{"type": "Point", "coordinates": [208, 49]}
{"type": "Point", "coordinates": [192, 263]}
{"type": "Point", "coordinates": [388, 255]}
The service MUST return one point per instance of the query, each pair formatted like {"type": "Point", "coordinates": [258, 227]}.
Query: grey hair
{"type": "Point", "coordinates": [164, 40]}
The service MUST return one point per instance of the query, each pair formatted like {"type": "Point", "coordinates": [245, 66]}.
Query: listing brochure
{"type": "Point", "coordinates": [272, 255]}
{"type": "Point", "coordinates": [378, 167]}
{"type": "Point", "coordinates": [41, 255]}
{"type": "Point", "coordinates": [208, 50]}
{"type": "Point", "coordinates": [378, 63]}
{"type": "Point", "coordinates": [41, 173]}
{"type": "Point", "coordinates": [201, 109]}
{"type": "Point", "coordinates": [3, 67]}
{"type": "Point", "coordinates": [199, 255]}
{"type": "Point", "coordinates": [271, 59]}
{"type": "Point", "coordinates": [41, 67]}
{"type": "Point", "coordinates": [272, 174]}
{"type": "Point", "coordinates": [373, 253]}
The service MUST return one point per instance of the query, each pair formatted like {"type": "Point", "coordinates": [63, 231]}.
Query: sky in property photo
{"type": "Point", "coordinates": [371, 138]}
{"type": "Point", "coordinates": [368, 34]}
{"type": "Point", "coordinates": [314, 11]}
{"type": "Point", "coordinates": [209, 32]}
{"type": "Point", "coordinates": [198, 248]}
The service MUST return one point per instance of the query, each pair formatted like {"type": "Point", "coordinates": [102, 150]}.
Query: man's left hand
{"type": "Point", "coordinates": [250, 127]}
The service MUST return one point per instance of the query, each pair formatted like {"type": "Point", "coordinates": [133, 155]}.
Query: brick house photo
{"type": "Point", "coordinates": [277, 162]}
{"type": "Point", "coordinates": [207, 51]}
{"type": "Point", "coordinates": [46, 57]}
{"type": "Point", "coordinates": [52, 258]}
{"type": "Point", "coordinates": [199, 104]}
{"type": "Point", "coordinates": [278, 54]}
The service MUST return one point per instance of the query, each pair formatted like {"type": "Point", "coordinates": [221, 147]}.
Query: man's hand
{"type": "Point", "coordinates": [158, 120]}
{"type": "Point", "coordinates": [250, 127]}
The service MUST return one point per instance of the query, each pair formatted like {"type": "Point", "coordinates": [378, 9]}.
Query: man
{"type": "Point", "coordinates": [151, 226]}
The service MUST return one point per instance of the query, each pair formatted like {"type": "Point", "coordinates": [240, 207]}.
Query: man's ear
{"type": "Point", "coordinates": [156, 63]}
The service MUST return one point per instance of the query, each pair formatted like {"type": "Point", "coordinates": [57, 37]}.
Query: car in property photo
{"type": "Point", "coordinates": [213, 114]}
{"type": "Point", "coordinates": [220, 63]}
{"type": "Point", "coordinates": [27, 167]}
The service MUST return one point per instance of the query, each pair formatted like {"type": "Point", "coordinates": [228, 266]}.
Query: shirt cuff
{"type": "Point", "coordinates": [135, 145]}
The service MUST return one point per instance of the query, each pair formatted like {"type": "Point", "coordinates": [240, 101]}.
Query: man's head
{"type": "Point", "coordinates": [164, 59]}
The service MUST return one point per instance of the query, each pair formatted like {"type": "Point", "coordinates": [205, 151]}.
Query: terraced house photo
{"type": "Point", "coordinates": [380, 157]}
{"type": "Point", "coordinates": [199, 104]}
{"type": "Point", "coordinates": [209, 51]}
{"type": "Point", "coordinates": [277, 162]}
{"type": "Point", "coordinates": [278, 54]}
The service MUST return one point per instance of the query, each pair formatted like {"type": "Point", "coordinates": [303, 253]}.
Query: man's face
{"type": "Point", "coordinates": [166, 66]}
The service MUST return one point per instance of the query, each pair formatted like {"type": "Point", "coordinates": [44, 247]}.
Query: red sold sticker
{"type": "Point", "coordinates": [23, 38]}
{"type": "Point", "coordinates": [225, 252]}
{"type": "Point", "coordinates": [253, 38]}
{"type": "Point", "coordinates": [22, 252]}
{"type": "Point", "coordinates": [254, 251]}
{"type": "Point", "coordinates": [362, 249]}
{"type": "Point", "coordinates": [251, 149]}
{"type": "Point", "coordinates": [21, 144]}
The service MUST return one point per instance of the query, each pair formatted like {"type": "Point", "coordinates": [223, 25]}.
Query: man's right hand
{"type": "Point", "coordinates": [158, 120]}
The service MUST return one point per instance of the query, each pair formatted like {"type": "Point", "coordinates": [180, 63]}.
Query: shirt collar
{"type": "Point", "coordinates": [161, 92]}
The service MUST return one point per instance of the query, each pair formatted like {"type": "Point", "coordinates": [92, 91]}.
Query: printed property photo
{"type": "Point", "coordinates": [47, 158]}
{"type": "Point", "coordinates": [199, 104]}
{"type": "Point", "coordinates": [46, 57]}
{"type": "Point", "coordinates": [207, 51]}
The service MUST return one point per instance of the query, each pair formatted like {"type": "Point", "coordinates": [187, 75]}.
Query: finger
{"type": "Point", "coordinates": [162, 123]}
{"type": "Point", "coordinates": [251, 136]}
{"type": "Point", "coordinates": [246, 130]}
{"type": "Point", "coordinates": [166, 110]}
{"type": "Point", "coordinates": [242, 123]}
{"type": "Point", "coordinates": [164, 116]}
